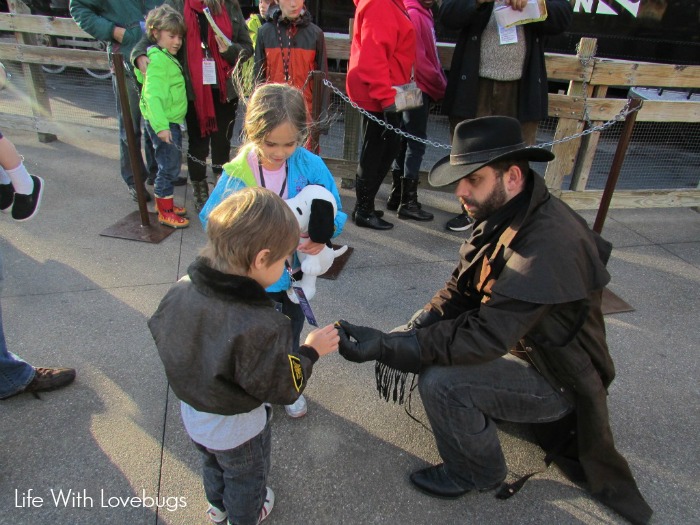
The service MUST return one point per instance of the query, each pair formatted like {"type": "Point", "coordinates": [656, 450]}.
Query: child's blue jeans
{"type": "Point", "coordinates": [168, 157]}
{"type": "Point", "coordinates": [235, 480]}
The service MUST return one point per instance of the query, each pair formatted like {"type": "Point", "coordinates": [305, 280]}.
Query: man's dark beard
{"type": "Point", "coordinates": [496, 199]}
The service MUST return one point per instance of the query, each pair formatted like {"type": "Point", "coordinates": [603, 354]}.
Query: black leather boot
{"type": "Point", "coordinates": [392, 203]}
{"type": "Point", "coordinates": [378, 213]}
{"type": "Point", "coordinates": [410, 208]}
{"type": "Point", "coordinates": [364, 215]}
{"type": "Point", "coordinates": [200, 193]}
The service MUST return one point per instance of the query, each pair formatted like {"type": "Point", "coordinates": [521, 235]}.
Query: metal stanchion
{"type": "Point", "coordinates": [137, 225]}
{"type": "Point", "coordinates": [618, 159]}
{"type": "Point", "coordinates": [611, 303]}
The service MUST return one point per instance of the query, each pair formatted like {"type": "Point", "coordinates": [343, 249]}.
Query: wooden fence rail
{"type": "Point", "coordinates": [573, 157]}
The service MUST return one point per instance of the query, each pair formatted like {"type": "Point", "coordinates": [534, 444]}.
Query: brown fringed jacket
{"type": "Point", "coordinates": [529, 281]}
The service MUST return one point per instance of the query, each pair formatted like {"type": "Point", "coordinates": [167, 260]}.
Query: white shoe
{"type": "Point", "coordinates": [298, 408]}
{"type": "Point", "coordinates": [267, 506]}
{"type": "Point", "coordinates": [216, 515]}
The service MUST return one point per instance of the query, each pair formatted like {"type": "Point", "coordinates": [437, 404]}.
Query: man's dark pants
{"type": "Point", "coordinates": [461, 402]}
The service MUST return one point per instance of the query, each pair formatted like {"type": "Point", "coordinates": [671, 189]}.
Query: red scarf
{"type": "Point", "coordinates": [203, 99]}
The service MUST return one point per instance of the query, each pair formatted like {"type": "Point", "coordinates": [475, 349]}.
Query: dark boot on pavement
{"type": "Point", "coordinates": [410, 208]}
{"type": "Point", "coordinates": [365, 216]}
{"type": "Point", "coordinates": [394, 199]}
{"type": "Point", "coordinates": [200, 193]}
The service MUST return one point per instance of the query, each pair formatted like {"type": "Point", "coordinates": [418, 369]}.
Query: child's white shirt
{"type": "Point", "coordinates": [218, 432]}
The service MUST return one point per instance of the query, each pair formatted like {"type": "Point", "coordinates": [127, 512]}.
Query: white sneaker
{"type": "Point", "coordinates": [298, 408]}
{"type": "Point", "coordinates": [267, 506]}
{"type": "Point", "coordinates": [216, 515]}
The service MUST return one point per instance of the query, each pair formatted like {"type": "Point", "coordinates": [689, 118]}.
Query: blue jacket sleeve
{"type": "Point", "coordinates": [224, 187]}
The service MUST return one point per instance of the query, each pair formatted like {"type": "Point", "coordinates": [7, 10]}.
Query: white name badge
{"type": "Point", "coordinates": [208, 71]}
{"type": "Point", "coordinates": [508, 35]}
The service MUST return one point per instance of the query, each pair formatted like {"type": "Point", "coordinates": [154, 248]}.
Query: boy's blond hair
{"type": "Point", "coordinates": [164, 18]}
{"type": "Point", "coordinates": [246, 222]}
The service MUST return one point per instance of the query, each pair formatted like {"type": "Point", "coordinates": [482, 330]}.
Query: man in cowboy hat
{"type": "Point", "coordinates": [517, 333]}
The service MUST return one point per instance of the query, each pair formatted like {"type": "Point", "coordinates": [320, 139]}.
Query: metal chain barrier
{"type": "Point", "coordinates": [592, 129]}
{"type": "Point", "coordinates": [379, 121]}
{"type": "Point", "coordinates": [589, 129]}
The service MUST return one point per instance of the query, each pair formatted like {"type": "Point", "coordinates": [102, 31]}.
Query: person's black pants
{"type": "Point", "coordinates": [220, 140]}
{"type": "Point", "coordinates": [379, 148]}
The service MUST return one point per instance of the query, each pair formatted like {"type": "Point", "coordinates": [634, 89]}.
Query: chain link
{"type": "Point", "coordinates": [381, 122]}
{"type": "Point", "coordinates": [592, 129]}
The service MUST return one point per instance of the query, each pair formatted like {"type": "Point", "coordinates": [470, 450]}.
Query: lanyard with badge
{"type": "Point", "coordinates": [295, 290]}
{"type": "Point", "coordinates": [208, 67]}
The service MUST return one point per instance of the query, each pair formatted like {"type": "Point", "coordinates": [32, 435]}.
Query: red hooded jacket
{"type": "Point", "coordinates": [382, 52]}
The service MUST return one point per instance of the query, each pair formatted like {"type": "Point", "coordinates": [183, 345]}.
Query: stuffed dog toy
{"type": "Point", "coordinates": [315, 209]}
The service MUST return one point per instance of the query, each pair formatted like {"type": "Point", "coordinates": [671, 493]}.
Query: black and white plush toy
{"type": "Point", "coordinates": [315, 209]}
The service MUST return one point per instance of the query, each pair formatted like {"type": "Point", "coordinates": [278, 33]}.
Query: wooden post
{"type": "Point", "coordinates": [34, 76]}
{"type": "Point", "coordinates": [566, 152]}
{"type": "Point", "coordinates": [586, 154]}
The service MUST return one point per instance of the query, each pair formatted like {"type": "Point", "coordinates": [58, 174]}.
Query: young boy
{"type": "Point", "coordinates": [287, 49]}
{"type": "Point", "coordinates": [164, 105]}
{"type": "Point", "coordinates": [227, 350]}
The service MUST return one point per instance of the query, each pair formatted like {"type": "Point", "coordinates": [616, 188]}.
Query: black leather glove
{"type": "Point", "coordinates": [399, 350]}
{"type": "Point", "coordinates": [423, 318]}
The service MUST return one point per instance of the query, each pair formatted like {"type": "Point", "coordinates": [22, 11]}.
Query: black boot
{"type": "Point", "coordinates": [364, 215]}
{"type": "Point", "coordinates": [378, 213]}
{"type": "Point", "coordinates": [200, 193]}
{"type": "Point", "coordinates": [410, 208]}
{"type": "Point", "coordinates": [394, 199]}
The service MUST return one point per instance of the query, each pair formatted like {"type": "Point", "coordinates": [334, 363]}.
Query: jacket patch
{"type": "Point", "coordinates": [297, 372]}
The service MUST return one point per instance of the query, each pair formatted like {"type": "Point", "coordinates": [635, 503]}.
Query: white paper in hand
{"type": "Point", "coordinates": [216, 28]}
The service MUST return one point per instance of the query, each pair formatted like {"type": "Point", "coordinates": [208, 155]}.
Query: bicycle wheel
{"type": "Point", "coordinates": [49, 41]}
{"type": "Point", "coordinates": [100, 74]}
{"type": "Point", "coordinates": [53, 69]}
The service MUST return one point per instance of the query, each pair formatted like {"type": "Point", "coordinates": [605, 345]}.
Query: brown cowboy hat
{"type": "Point", "coordinates": [482, 141]}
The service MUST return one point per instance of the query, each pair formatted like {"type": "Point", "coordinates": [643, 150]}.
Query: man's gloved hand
{"type": "Point", "coordinates": [399, 350]}
{"type": "Point", "coordinates": [423, 318]}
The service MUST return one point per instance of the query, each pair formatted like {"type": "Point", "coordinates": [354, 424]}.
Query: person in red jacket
{"type": "Point", "coordinates": [382, 53]}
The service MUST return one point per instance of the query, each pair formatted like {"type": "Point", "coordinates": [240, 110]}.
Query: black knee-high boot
{"type": "Point", "coordinates": [410, 208]}
{"type": "Point", "coordinates": [365, 215]}
{"type": "Point", "coordinates": [394, 199]}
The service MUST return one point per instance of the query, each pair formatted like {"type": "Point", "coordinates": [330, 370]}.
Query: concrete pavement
{"type": "Point", "coordinates": [74, 298]}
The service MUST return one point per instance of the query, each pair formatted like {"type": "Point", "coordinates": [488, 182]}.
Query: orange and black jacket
{"type": "Point", "coordinates": [287, 51]}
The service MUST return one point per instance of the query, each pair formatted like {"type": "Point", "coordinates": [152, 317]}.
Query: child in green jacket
{"type": "Point", "coordinates": [164, 105]}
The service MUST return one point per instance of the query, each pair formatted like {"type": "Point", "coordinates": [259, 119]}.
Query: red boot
{"type": "Point", "coordinates": [167, 214]}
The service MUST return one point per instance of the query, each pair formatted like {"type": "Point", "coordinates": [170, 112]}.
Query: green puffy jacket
{"type": "Point", "coordinates": [163, 100]}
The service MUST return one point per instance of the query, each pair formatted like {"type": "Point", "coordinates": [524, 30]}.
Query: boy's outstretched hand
{"type": "Point", "coordinates": [324, 340]}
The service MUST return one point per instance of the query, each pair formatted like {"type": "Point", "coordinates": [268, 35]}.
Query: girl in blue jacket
{"type": "Point", "coordinates": [273, 157]}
